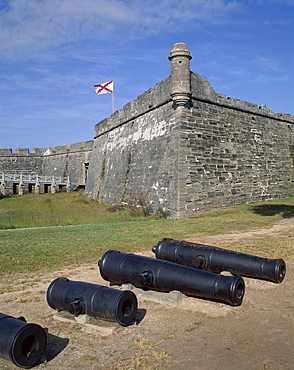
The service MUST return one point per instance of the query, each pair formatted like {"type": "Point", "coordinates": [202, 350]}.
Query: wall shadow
{"type": "Point", "coordinates": [285, 210]}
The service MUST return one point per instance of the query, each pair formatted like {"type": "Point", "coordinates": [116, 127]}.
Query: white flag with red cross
{"type": "Point", "coordinates": [104, 88]}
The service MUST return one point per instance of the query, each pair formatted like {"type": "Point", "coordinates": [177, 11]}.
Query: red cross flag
{"type": "Point", "coordinates": [105, 88]}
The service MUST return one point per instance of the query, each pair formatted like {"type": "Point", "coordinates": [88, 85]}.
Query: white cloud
{"type": "Point", "coordinates": [264, 78]}
{"type": "Point", "coordinates": [30, 25]}
{"type": "Point", "coordinates": [59, 21]}
{"type": "Point", "coordinates": [267, 63]}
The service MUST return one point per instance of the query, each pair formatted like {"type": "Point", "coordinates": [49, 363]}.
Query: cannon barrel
{"type": "Point", "coordinates": [150, 273]}
{"type": "Point", "coordinates": [94, 300]}
{"type": "Point", "coordinates": [21, 343]}
{"type": "Point", "coordinates": [216, 260]}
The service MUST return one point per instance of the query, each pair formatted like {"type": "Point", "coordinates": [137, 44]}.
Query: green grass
{"type": "Point", "coordinates": [35, 210]}
{"type": "Point", "coordinates": [32, 250]}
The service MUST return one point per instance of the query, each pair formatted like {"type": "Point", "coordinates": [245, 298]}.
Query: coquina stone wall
{"type": "Point", "coordinates": [233, 152]}
{"type": "Point", "coordinates": [135, 151]}
{"type": "Point", "coordinates": [21, 159]}
{"type": "Point", "coordinates": [70, 160]}
{"type": "Point", "coordinates": [190, 149]}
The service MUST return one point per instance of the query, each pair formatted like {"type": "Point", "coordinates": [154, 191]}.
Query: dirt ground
{"type": "Point", "coordinates": [196, 334]}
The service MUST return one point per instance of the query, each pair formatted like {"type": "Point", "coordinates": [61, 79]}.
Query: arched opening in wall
{"type": "Point", "coordinates": [47, 188]}
{"type": "Point", "coordinates": [80, 187]}
{"type": "Point", "coordinates": [86, 168]}
{"type": "Point", "coordinates": [62, 189]}
{"type": "Point", "coordinates": [15, 188]}
{"type": "Point", "coordinates": [31, 188]}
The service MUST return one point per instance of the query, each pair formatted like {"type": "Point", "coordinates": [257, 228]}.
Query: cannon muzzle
{"type": "Point", "coordinates": [150, 273]}
{"type": "Point", "coordinates": [21, 343]}
{"type": "Point", "coordinates": [94, 300]}
{"type": "Point", "coordinates": [213, 259]}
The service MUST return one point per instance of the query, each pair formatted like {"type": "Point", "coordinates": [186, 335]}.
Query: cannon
{"type": "Point", "coordinates": [154, 274]}
{"type": "Point", "coordinates": [21, 343]}
{"type": "Point", "coordinates": [216, 260]}
{"type": "Point", "coordinates": [97, 301]}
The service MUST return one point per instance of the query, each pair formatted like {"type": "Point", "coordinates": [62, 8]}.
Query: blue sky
{"type": "Point", "coordinates": [54, 51]}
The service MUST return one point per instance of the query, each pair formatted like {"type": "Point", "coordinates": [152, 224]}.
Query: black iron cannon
{"type": "Point", "coordinates": [21, 343]}
{"type": "Point", "coordinates": [216, 260]}
{"type": "Point", "coordinates": [94, 300]}
{"type": "Point", "coordinates": [150, 273]}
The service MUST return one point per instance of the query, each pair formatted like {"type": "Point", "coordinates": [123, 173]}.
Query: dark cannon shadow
{"type": "Point", "coordinates": [141, 313]}
{"type": "Point", "coordinates": [55, 345]}
{"type": "Point", "coordinates": [285, 210]}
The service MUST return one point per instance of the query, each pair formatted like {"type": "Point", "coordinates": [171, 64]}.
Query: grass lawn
{"type": "Point", "coordinates": [95, 229]}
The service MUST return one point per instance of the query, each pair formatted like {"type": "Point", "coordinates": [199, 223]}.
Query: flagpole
{"type": "Point", "coordinates": [113, 98]}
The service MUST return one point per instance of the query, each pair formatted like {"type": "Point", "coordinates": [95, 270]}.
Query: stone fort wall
{"type": "Point", "coordinates": [67, 161]}
{"type": "Point", "coordinates": [185, 147]}
{"type": "Point", "coordinates": [233, 152]}
{"type": "Point", "coordinates": [190, 149]}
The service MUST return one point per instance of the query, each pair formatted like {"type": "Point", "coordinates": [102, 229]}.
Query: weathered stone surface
{"type": "Point", "coordinates": [213, 153]}
{"type": "Point", "coordinates": [67, 160]}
